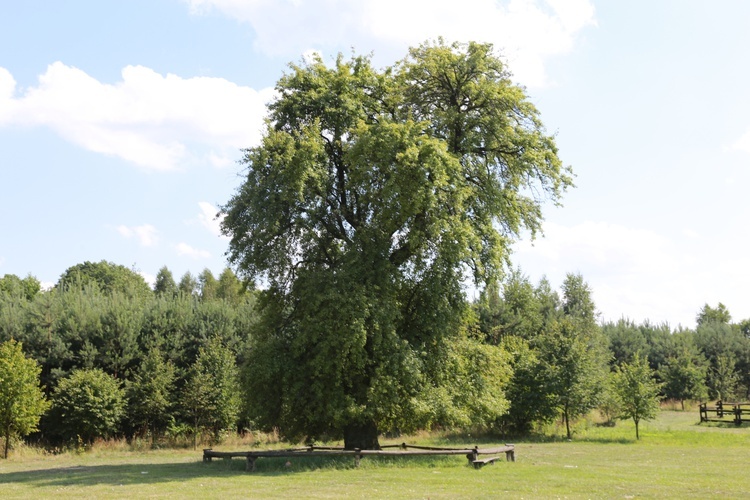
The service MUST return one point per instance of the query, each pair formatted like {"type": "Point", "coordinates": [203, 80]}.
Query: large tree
{"type": "Point", "coordinates": [372, 197]}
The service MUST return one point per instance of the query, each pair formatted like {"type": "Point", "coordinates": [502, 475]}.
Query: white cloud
{"type": "Point", "coordinates": [149, 278]}
{"type": "Point", "coordinates": [155, 121]}
{"type": "Point", "coordinates": [691, 233]}
{"type": "Point", "coordinates": [7, 89]}
{"type": "Point", "coordinates": [183, 249]}
{"type": "Point", "coordinates": [145, 234]}
{"type": "Point", "coordinates": [527, 31]}
{"type": "Point", "coordinates": [743, 143]}
{"type": "Point", "coordinates": [635, 273]}
{"type": "Point", "coordinates": [208, 218]}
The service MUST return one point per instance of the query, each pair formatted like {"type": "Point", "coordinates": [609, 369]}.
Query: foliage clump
{"type": "Point", "coordinates": [86, 405]}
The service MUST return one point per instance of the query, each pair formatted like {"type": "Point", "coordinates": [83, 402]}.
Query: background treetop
{"type": "Point", "coordinates": [107, 276]}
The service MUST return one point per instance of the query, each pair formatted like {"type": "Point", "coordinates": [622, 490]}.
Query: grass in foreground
{"type": "Point", "coordinates": [674, 458]}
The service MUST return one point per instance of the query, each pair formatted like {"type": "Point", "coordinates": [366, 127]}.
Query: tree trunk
{"type": "Point", "coordinates": [363, 436]}
{"type": "Point", "coordinates": [7, 442]}
{"type": "Point", "coordinates": [567, 421]}
{"type": "Point", "coordinates": [637, 436]}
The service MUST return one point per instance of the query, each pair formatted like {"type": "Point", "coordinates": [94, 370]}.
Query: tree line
{"type": "Point", "coordinates": [116, 358]}
{"type": "Point", "coordinates": [112, 360]}
{"type": "Point", "coordinates": [710, 361]}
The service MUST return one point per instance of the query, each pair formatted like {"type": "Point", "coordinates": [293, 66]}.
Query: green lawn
{"type": "Point", "coordinates": [675, 458]}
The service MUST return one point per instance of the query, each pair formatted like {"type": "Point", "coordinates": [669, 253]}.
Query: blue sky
{"type": "Point", "coordinates": [121, 124]}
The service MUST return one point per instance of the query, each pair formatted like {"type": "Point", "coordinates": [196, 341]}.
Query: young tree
{"type": "Point", "coordinates": [212, 395]}
{"type": "Point", "coordinates": [610, 404]}
{"type": "Point", "coordinates": [188, 284]}
{"type": "Point", "coordinates": [708, 314]}
{"type": "Point", "coordinates": [229, 287]}
{"type": "Point", "coordinates": [573, 353]}
{"type": "Point", "coordinates": [684, 375]}
{"type": "Point", "coordinates": [88, 404]}
{"type": "Point", "coordinates": [149, 394]}
{"type": "Point", "coordinates": [723, 377]}
{"type": "Point", "coordinates": [165, 285]}
{"type": "Point", "coordinates": [369, 197]}
{"type": "Point", "coordinates": [638, 391]}
{"type": "Point", "coordinates": [531, 397]}
{"type": "Point", "coordinates": [208, 285]}
{"type": "Point", "coordinates": [22, 401]}
{"type": "Point", "coordinates": [573, 369]}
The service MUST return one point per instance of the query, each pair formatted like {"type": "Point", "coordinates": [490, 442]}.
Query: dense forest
{"type": "Point", "coordinates": [171, 362]}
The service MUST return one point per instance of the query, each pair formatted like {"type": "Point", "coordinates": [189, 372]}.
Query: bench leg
{"type": "Point", "coordinates": [510, 456]}
{"type": "Point", "coordinates": [250, 464]}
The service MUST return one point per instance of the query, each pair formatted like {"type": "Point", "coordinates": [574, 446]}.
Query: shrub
{"type": "Point", "coordinates": [88, 404]}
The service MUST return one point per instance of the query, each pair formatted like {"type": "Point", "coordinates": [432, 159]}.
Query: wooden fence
{"type": "Point", "coordinates": [401, 450]}
{"type": "Point", "coordinates": [725, 412]}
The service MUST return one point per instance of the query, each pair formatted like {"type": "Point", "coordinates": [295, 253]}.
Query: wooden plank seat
{"type": "Point", "coordinates": [472, 454]}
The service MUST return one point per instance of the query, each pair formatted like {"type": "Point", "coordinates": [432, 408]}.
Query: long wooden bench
{"type": "Point", "coordinates": [403, 450]}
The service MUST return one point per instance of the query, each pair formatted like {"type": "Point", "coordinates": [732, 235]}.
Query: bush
{"type": "Point", "coordinates": [88, 404]}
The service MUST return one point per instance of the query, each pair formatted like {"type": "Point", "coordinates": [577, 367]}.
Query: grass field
{"type": "Point", "coordinates": [675, 458]}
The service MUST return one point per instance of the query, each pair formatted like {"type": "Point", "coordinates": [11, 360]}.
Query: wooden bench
{"type": "Point", "coordinates": [472, 454]}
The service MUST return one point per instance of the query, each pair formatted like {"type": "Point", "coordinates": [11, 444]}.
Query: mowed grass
{"type": "Point", "coordinates": [675, 458]}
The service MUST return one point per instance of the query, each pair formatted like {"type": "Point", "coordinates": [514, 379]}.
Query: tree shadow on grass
{"type": "Point", "coordinates": [608, 440]}
{"type": "Point", "coordinates": [134, 473]}
{"type": "Point", "coordinates": [155, 473]}
{"type": "Point", "coordinates": [724, 424]}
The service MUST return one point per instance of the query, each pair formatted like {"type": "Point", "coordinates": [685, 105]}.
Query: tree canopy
{"type": "Point", "coordinates": [371, 198]}
{"type": "Point", "coordinates": [107, 276]}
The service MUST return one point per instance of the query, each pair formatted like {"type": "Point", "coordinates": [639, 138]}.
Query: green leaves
{"type": "Point", "coordinates": [22, 401]}
{"type": "Point", "coordinates": [88, 404]}
{"type": "Point", "coordinates": [637, 390]}
{"type": "Point", "coordinates": [371, 198]}
{"type": "Point", "coordinates": [211, 397]}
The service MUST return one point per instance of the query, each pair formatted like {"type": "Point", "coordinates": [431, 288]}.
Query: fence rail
{"type": "Point", "coordinates": [725, 412]}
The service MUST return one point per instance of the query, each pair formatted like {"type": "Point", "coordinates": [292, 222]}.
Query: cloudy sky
{"type": "Point", "coordinates": [121, 125]}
